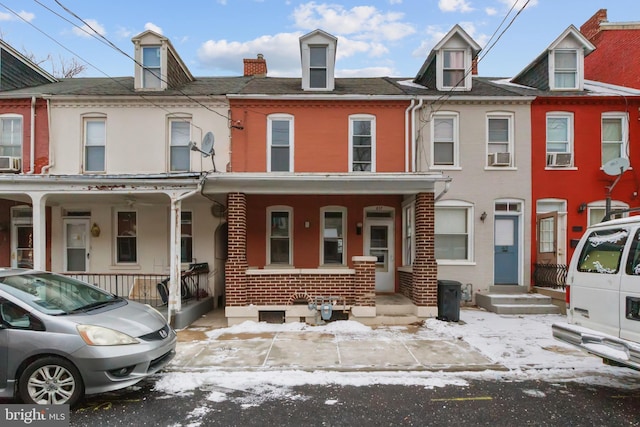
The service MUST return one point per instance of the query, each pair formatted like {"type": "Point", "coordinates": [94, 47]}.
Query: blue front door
{"type": "Point", "coordinates": [505, 270]}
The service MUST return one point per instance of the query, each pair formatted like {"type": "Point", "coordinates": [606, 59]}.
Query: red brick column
{"type": "Point", "coordinates": [425, 269]}
{"type": "Point", "coordinates": [236, 266]}
{"type": "Point", "coordinates": [364, 285]}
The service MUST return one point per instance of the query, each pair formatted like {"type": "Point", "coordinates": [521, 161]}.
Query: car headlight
{"type": "Point", "coordinates": [97, 335]}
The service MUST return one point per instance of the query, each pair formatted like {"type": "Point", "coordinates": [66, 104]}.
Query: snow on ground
{"type": "Point", "coordinates": [522, 343]}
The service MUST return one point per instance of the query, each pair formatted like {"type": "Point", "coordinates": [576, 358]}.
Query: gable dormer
{"type": "Point", "coordinates": [450, 63]}
{"type": "Point", "coordinates": [561, 66]}
{"type": "Point", "coordinates": [158, 65]}
{"type": "Point", "coordinates": [318, 56]}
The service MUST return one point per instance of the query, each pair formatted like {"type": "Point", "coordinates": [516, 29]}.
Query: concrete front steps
{"type": "Point", "coordinates": [392, 309]}
{"type": "Point", "coordinates": [514, 300]}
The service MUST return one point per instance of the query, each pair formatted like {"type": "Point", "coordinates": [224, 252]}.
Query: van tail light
{"type": "Point", "coordinates": [567, 291]}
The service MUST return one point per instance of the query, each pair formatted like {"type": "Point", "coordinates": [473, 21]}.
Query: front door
{"type": "Point", "coordinates": [21, 237]}
{"type": "Point", "coordinates": [76, 244]}
{"type": "Point", "coordinates": [379, 243]}
{"type": "Point", "coordinates": [506, 255]}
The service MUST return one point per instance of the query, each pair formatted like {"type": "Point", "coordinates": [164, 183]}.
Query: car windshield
{"type": "Point", "coordinates": [55, 294]}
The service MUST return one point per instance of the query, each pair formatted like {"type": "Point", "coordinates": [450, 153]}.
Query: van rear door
{"type": "Point", "coordinates": [595, 280]}
{"type": "Point", "coordinates": [630, 292]}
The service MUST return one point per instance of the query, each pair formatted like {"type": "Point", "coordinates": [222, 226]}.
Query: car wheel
{"type": "Point", "coordinates": [50, 381]}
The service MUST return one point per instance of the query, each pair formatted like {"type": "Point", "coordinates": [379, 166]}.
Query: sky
{"type": "Point", "coordinates": [522, 344]}
{"type": "Point", "coordinates": [375, 37]}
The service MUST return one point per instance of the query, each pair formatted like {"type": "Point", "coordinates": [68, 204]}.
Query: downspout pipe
{"type": "Point", "coordinates": [447, 184]}
{"type": "Point", "coordinates": [414, 143]}
{"type": "Point", "coordinates": [50, 162]}
{"type": "Point", "coordinates": [32, 137]}
{"type": "Point", "coordinates": [407, 139]}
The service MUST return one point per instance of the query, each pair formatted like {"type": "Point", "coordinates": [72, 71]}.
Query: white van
{"type": "Point", "coordinates": [603, 293]}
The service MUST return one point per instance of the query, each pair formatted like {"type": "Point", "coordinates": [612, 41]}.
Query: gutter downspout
{"type": "Point", "coordinates": [406, 134]}
{"type": "Point", "coordinates": [45, 168]}
{"type": "Point", "coordinates": [32, 137]}
{"type": "Point", "coordinates": [175, 297]}
{"type": "Point", "coordinates": [414, 143]}
{"type": "Point", "coordinates": [447, 184]}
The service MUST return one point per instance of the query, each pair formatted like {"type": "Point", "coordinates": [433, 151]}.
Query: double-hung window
{"type": "Point", "coordinates": [500, 139]}
{"type": "Point", "coordinates": [452, 232]}
{"type": "Point", "coordinates": [453, 69]}
{"type": "Point", "coordinates": [126, 237]}
{"type": "Point", "coordinates": [615, 131]}
{"type": "Point", "coordinates": [444, 134]}
{"type": "Point", "coordinates": [333, 238]}
{"type": "Point", "coordinates": [565, 69]}
{"type": "Point", "coordinates": [186, 237]}
{"type": "Point", "coordinates": [559, 139]}
{"type": "Point", "coordinates": [362, 143]}
{"type": "Point", "coordinates": [95, 141]}
{"type": "Point", "coordinates": [279, 235]}
{"type": "Point", "coordinates": [280, 143]}
{"type": "Point", "coordinates": [179, 138]}
{"type": "Point", "coordinates": [151, 63]}
{"type": "Point", "coordinates": [11, 135]}
{"type": "Point", "coordinates": [408, 234]}
{"type": "Point", "coordinates": [318, 67]}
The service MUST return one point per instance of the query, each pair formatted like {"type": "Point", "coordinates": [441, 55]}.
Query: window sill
{"type": "Point", "coordinates": [500, 168]}
{"type": "Point", "coordinates": [125, 266]}
{"type": "Point", "coordinates": [445, 168]}
{"type": "Point", "coordinates": [455, 262]}
{"type": "Point", "coordinates": [568, 168]}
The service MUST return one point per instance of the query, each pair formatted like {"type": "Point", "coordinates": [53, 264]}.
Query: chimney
{"type": "Point", "coordinates": [591, 28]}
{"type": "Point", "coordinates": [255, 67]}
{"type": "Point", "coordinates": [474, 66]}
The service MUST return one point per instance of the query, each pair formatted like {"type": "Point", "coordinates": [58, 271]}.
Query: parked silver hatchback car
{"type": "Point", "coordinates": [61, 338]}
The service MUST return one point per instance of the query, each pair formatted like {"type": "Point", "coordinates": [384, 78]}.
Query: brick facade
{"type": "Point", "coordinates": [236, 289]}
{"type": "Point", "coordinates": [425, 268]}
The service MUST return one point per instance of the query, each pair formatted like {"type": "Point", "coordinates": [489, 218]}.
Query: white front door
{"type": "Point", "coordinates": [76, 244]}
{"type": "Point", "coordinates": [379, 243]}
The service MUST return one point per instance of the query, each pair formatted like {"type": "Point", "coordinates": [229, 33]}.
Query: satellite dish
{"type": "Point", "coordinates": [616, 166]}
{"type": "Point", "coordinates": [207, 144]}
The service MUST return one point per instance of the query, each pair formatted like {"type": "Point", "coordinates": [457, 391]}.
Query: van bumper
{"type": "Point", "coordinates": [608, 347]}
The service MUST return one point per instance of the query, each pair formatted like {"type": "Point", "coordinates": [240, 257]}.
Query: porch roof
{"type": "Point", "coordinates": [322, 183]}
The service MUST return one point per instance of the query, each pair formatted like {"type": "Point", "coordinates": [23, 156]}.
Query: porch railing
{"type": "Point", "coordinates": [550, 275]}
{"type": "Point", "coordinates": [143, 287]}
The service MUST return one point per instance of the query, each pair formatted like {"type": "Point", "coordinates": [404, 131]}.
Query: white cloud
{"type": "Point", "coordinates": [153, 27]}
{"type": "Point", "coordinates": [518, 3]}
{"type": "Point", "coordinates": [490, 11]}
{"type": "Point", "coordinates": [124, 33]}
{"type": "Point", "coordinates": [27, 16]}
{"type": "Point", "coordinates": [455, 6]}
{"type": "Point", "coordinates": [365, 72]}
{"type": "Point", "coordinates": [89, 29]}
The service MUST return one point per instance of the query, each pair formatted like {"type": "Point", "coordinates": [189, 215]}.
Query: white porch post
{"type": "Point", "coordinates": [39, 201]}
{"type": "Point", "coordinates": [175, 297]}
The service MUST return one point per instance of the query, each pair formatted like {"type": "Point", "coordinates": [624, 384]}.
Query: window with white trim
{"type": "Point", "coordinates": [615, 133]}
{"type": "Point", "coordinates": [333, 225]}
{"type": "Point", "coordinates": [559, 138]}
{"type": "Point", "coordinates": [500, 139]}
{"type": "Point", "coordinates": [362, 143]}
{"type": "Point", "coordinates": [11, 135]}
{"type": "Point", "coordinates": [565, 69]}
{"type": "Point", "coordinates": [444, 134]}
{"type": "Point", "coordinates": [408, 235]}
{"type": "Point", "coordinates": [279, 235]}
{"type": "Point", "coordinates": [318, 67]}
{"type": "Point", "coordinates": [453, 68]}
{"type": "Point", "coordinates": [186, 236]}
{"type": "Point", "coordinates": [179, 150]}
{"type": "Point", "coordinates": [95, 140]}
{"type": "Point", "coordinates": [126, 237]}
{"type": "Point", "coordinates": [152, 70]}
{"type": "Point", "coordinates": [453, 231]}
{"type": "Point", "coordinates": [280, 143]}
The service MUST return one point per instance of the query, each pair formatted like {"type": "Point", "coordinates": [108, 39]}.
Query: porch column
{"type": "Point", "coordinates": [175, 297]}
{"type": "Point", "coordinates": [39, 213]}
{"type": "Point", "coordinates": [425, 269]}
{"type": "Point", "coordinates": [236, 266]}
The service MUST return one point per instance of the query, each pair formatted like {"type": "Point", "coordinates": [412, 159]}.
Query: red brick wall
{"type": "Point", "coordinates": [592, 27]}
{"type": "Point", "coordinates": [236, 265]}
{"type": "Point", "coordinates": [425, 269]}
{"type": "Point", "coordinates": [406, 284]}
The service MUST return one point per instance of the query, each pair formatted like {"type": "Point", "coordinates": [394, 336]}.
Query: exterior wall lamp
{"type": "Point", "coordinates": [483, 216]}
{"type": "Point", "coordinates": [359, 228]}
{"type": "Point", "coordinates": [582, 208]}
{"type": "Point", "coordinates": [95, 230]}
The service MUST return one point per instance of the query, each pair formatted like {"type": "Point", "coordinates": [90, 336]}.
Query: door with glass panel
{"type": "Point", "coordinates": [76, 244]}
{"type": "Point", "coordinates": [379, 243]}
{"type": "Point", "coordinates": [21, 237]}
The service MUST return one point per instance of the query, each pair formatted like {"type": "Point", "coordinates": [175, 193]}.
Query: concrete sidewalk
{"type": "Point", "coordinates": [315, 350]}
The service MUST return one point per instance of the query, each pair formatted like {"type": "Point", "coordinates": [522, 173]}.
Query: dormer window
{"type": "Point", "coordinates": [318, 67]}
{"type": "Point", "coordinates": [453, 68]}
{"type": "Point", "coordinates": [151, 74]}
{"type": "Point", "coordinates": [565, 69]}
{"type": "Point", "coordinates": [318, 55]}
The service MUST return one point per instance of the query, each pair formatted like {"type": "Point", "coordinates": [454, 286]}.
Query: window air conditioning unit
{"type": "Point", "coordinates": [499, 159]}
{"type": "Point", "coordinates": [559, 159]}
{"type": "Point", "coordinates": [10, 164]}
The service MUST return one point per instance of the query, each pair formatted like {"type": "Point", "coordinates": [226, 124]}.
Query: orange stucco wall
{"type": "Point", "coordinates": [321, 134]}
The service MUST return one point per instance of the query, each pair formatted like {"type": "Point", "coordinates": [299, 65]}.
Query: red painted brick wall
{"type": "Point", "coordinates": [23, 107]}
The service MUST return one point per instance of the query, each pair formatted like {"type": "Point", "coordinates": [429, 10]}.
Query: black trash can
{"type": "Point", "coordinates": [449, 296]}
